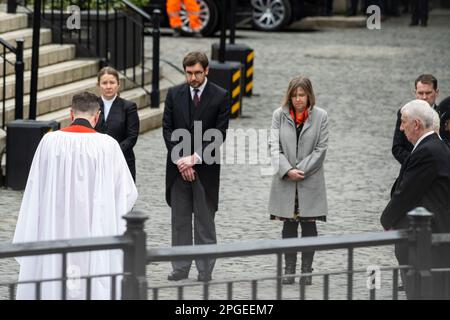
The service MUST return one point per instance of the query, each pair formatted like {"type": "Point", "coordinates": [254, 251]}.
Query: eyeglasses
{"type": "Point", "coordinates": [196, 74]}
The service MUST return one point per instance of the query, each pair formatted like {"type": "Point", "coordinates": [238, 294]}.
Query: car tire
{"type": "Point", "coordinates": [271, 15]}
{"type": "Point", "coordinates": [209, 15]}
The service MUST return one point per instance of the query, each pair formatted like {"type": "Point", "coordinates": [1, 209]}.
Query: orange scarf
{"type": "Point", "coordinates": [299, 117]}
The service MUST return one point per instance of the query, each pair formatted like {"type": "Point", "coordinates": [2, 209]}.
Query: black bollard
{"type": "Point", "coordinates": [227, 74]}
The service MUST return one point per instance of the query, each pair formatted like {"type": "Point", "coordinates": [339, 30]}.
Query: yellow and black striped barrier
{"type": "Point", "coordinates": [249, 73]}
{"type": "Point", "coordinates": [243, 54]}
{"type": "Point", "coordinates": [228, 75]}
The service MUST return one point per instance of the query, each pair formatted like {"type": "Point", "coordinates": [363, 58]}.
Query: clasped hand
{"type": "Point", "coordinates": [185, 167]}
{"type": "Point", "coordinates": [295, 175]}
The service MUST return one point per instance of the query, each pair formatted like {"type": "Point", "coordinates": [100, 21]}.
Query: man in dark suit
{"type": "Point", "coordinates": [192, 174]}
{"type": "Point", "coordinates": [424, 181]}
{"type": "Point", "coordinates": [425, 89]}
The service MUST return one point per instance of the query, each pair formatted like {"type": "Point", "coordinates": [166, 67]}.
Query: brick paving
{"type": "Point", "coordinates": [361, 77]}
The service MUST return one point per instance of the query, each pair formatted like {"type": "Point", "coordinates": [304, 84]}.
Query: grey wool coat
{"type": "Point", "coordinates": [308, 156]}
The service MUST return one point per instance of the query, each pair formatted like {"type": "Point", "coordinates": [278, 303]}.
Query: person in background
{"type": "Point", "coordinates": [444, 108]}
{"type": "Point", "coordinates": [298, 145]}
{"type": "Point", "coordinates": [173, 9]}
{"type": "Point", "coordinates": [425, 88]}
{"type": "Point", "coordinates": [419, 13]}
{"type": "Point", "coordinates": [119, 117]}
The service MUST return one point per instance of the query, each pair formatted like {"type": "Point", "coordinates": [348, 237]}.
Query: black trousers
{"type": "Point", "coordinates": [419, 11]}
{"type": "Point", "coordinates": [190, 203]}
{"type": "Point", "coordinates": [290, 230]}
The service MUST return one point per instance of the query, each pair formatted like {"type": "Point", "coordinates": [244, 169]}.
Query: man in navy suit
{"type": "Point", "coordinates": [192, 174]}
{"type": "Point", "coordinates": [424, 181]}
{"type": "Point", "coordinates": [425, 88]}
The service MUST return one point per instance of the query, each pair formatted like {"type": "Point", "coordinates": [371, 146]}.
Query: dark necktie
{"type": "Point", "coordinates": [196, 98]}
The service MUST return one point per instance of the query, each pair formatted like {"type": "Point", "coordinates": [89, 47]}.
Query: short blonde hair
{"type": "Point", "coordinates": [303, 83]}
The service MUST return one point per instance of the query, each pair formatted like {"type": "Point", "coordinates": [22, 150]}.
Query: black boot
{"type": "Point", "coordinates": [290, 261]}
{"type": "Point", "coordinates": [307, 260]}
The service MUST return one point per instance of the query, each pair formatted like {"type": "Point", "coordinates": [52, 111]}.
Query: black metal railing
{"type": "Point", "coordinates": [417, 272]}
{"type": "Point", "coordinates": [15, 59]}
{"type": "Point", "coordinates": [114, 33]}
{"type": "Point", "coordinates": [132, 242]}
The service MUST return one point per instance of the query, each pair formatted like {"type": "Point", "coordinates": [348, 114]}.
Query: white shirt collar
{"type": "Point", "coordinates": [200, 89]}
{"type": "Point", "coordinates": [421, 138]}
{"type": "Point", "coordinates": [109, 101]}
{"type": "Point", "coordinates": [107, 104]}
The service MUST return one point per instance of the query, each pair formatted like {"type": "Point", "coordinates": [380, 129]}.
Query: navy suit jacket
{"type": "Point", "coordinates": [424, 181]}
{"type": "Point", "coordinates": [213, 113]}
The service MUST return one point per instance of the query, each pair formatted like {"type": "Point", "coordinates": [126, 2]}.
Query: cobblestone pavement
{"type": "Point", "coordinates": [361, 77]}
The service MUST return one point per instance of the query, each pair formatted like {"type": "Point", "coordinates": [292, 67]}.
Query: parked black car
{"type": "Point", "coordinates": [266, 15]}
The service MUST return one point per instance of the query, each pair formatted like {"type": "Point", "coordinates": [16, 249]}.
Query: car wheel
{"type": "Point", "coordinates": [271, 15]}
{"type": "Point", "coordinates": [209, 17]}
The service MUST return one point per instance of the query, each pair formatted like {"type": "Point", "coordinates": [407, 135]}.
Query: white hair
{"type": "Point", "coordinates": [420, 110]}
{"type": "Point", "coordinates": [436, 121]}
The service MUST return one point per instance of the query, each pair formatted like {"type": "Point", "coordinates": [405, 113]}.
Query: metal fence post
{"type": "Point", "coordinates": [19, 66]}
{"type": "Point", "coordinates": [11, 6]}
{"type": "Point", "coordinates": [134, 285]}
{"type": "Point", "coordinates": [419, 278]}
{"type": "Point", "coordinates": [35, 58]}
{"type": "Point", "coordinates": [155, 96]}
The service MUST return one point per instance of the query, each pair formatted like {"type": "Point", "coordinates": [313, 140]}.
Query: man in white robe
{"type": "Point", "coordinates": [79, 186]}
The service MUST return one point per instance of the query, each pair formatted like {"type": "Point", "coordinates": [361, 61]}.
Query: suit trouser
{"type": "Point", "coordinates": [419, 11]}
{"type": "Point", "coordinates": [187, 198]}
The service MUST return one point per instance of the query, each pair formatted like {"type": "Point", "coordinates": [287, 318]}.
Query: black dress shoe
{"type": "Point", "coordinates": [177, 275]}
{"type": "Point", "coordinates": [203, 277]}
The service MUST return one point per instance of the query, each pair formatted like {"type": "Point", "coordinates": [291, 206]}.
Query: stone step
{"type": "Point", "coordinates": [59, 97]}
{"type": "Point", "coordinates": [11, 22]}
{"type": "Point", "coordinates": [48, 55]}
{"type": "Point", "coordinates": [27, 36]}
{"type": "Point", "coordinates": [54, 75]}
{"type": "Point", "coordinates": [148, 119]}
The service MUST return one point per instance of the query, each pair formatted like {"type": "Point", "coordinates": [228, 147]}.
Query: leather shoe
{"type": "Point", "coordinates": [203, 277]}
{"type": "Point", "coordinates": [177, 275]}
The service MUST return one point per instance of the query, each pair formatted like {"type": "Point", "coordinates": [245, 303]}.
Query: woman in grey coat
{"type": "Point", "coordinates": [298, 144]}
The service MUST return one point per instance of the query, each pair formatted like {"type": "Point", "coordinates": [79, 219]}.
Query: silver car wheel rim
{"type": "Point", "coordinates": [268, 14]}
{"type": "Point", "coordinates": [204, 16]}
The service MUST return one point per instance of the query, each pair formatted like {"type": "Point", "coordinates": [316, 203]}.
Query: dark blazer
{"type": "Point", "coordinates": [401, 147]}
{"type": "Point", "coordinates": [123, 125]}
{"type": "Point", "coordinates": [214, 113]}
{"type": "Point", "coordinates": [424, 181]}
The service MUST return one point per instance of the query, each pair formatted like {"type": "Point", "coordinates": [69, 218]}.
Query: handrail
{"type": "Point", "coordinates": [262, 247]}
{"type": "Point", "coordinates": [137, 10]}
{"type": "Point", "coordinates": [108, 51]}
{"type": "Point", "coordinates": [58, 246]}
{"type": "Point", "coordinates": [7, 45]}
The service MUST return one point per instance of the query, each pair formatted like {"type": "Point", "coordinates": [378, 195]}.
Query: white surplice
{"type": "Point", "coordinates": [79, 186]}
